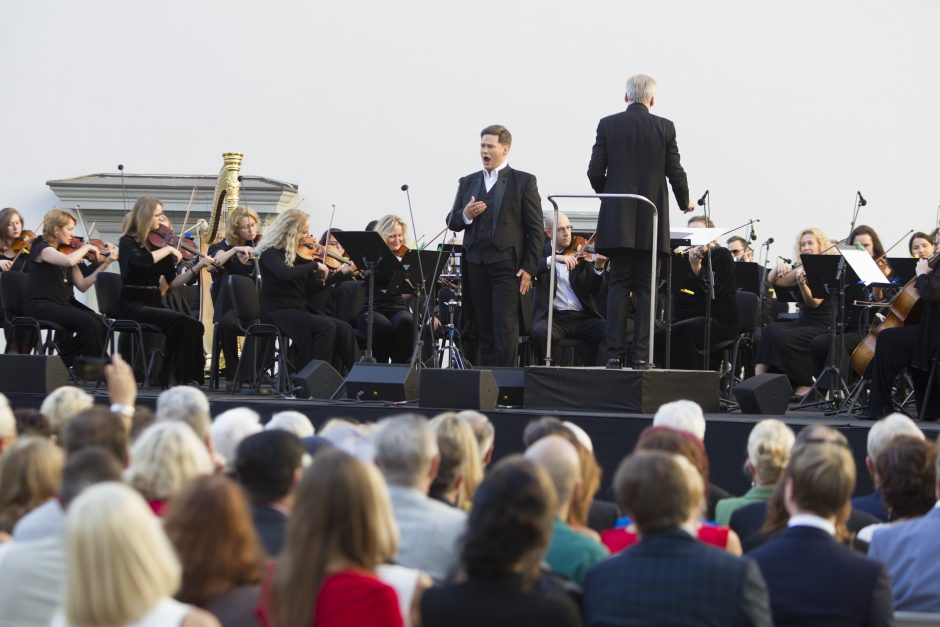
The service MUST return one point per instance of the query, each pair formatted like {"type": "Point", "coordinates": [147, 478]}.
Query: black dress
{"type": "Point", "coordinates": [50, 297]}
{"type": "Point", "coordinates": [784, 346]}
{"type": "Point", "coordinates": [223, 311]}
{"type": "Point", "coordinates": [183, 358]}
{"type": "Point", "coordinates": [20, 265]}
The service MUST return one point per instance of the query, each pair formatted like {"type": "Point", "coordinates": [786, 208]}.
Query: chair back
{"type": "Point", "coordinates": [13, 286]}
{"type": "Point", "coordinates": [108, 287]}
{"type": "Point", "coordinates": [748, 311]}
{"type": "Point", "coordinates": [243, 295]}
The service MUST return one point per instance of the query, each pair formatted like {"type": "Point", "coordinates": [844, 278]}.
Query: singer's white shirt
{"type": "Point", "coordinates": [489, 180]}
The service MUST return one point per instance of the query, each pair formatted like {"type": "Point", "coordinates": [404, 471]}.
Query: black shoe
{"type": "Point", "coordinates": [641, 364]}
{"type": "Point", "coordinates": [614, 363]}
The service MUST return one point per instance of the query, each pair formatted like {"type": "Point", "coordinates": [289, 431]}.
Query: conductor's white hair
{"type": "Point", "coordinates": [641, 88]}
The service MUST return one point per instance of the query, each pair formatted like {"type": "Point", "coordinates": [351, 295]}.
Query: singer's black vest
{"type": "Point", "coordinates": [483, 250]}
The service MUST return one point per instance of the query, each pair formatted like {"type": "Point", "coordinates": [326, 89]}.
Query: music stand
{"type": "Point", "coordinates": [422, 267]}
{"type": "Point", "coordinates": [903, 269]}
{"type": "Point", "coordinates": [747, 276]}
{"type": "Point", "coordinates": [368, 250]}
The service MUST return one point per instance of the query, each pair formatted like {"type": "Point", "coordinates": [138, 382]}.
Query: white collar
{"type": "Point", "coordinates": [812, 520]}
{"type": "Point", "coordinates": [496, 171]}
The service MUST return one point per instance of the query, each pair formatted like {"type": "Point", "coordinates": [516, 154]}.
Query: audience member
{"type": "Point", "coordinates": [570, 553]}
{"type": "Point", "coordinates": [812, 578]}
{"type": "Point", "coordinates": [30, 472]}
{"type": "Point", "coordinates": [32, 573]}
{"type": "Point", "coordinates": [462, 432]}
{"type": "Point", "coordinates": [187, 404]}
{"type": "Point", "coordinates": [349, 436]}
{"type": "Point", "coordinates": [406, 452]}
{"type": "Point", "coordinates": [508, 531]}
{"type": "Point", "coordinates": [164, 459]}
{"type": "Point", "coordinates": [669, 577]}
{"type": "Point", "coordinates": [340, 531]}
{"type": "Point", "coordinates": [231, 427]}
{"type": "Point", "coordinates": [210, 527]}
{"type": "Point", "coordinates": [292, 421]}
{"type": "Point", "coordinates": [907, 473]}
{"type": "Point", "coordinates": [768, 451]}
{"type": "Point", "coordinates": [121, 568]}
{"type": "Point", "coordinates": [7, 424]}
{"type": "Point", "coordinates": [878, 437]}
{"type": "Point", "coordinates": [682, 416]}
{"type": "Point", "coordinates": [30, 422]}
{"type": "Point", "coordinates": [446, 485]}
{"type": "Point", "coordinates": [63, 403]}
{"type": "Point", "coordinates": [484, 431]}
{"type": "Point", "coordinates": [268, 465]}
{"type": "Point", "coordinates": [143, 418]}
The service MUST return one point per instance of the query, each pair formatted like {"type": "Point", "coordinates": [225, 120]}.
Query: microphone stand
{"type": "Point", "coordinates": [710, 289]}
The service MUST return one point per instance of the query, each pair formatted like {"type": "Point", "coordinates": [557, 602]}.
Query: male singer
{"type": "Point", "coordinates": [635, 152]}
{"type": "Point", "coordinates": [501, 212]}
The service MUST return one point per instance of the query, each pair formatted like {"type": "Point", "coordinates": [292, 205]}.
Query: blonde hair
{"type": "Point", "coordinates": [386, 225]}
{"type": "Point", "coordinates": [55, 218]}
{"type": "Point", "coordinates": [285, 233]}
{"type": "Point", "coordinates": [63, 403]}
{"type": "Point", "coordinates": [823, 241]}
{"type": "Point", "coordinates": [137, 222]}
{"type": "Point", "coordinates": [30, 474]}
{"type": "Point", "coordinates": [768, 450]}
{"type": "Point", "coordinates": [165, 457]}
{"type": "Point", "coordinates": [231, 225]}
{"type": "Point", "coordinates": [449, 424]}
{"type": "Point", "coordinates": [120, 563]}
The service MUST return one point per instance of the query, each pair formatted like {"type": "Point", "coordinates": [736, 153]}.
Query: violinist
{"type": "Point", "coordinates": [53, 274]}
{"type": "Point", "coordinates": [143, 263]}
{"type": "Point", "coordinates": [392, 326]}
{"type": "Point", "coordinates": [234, 254]}
{"type": "Point", "coordinates": [12, 241]}
{"type": "Point", "coordinates": [740, 249]}
{"type": "Point", "coordinates": [321, 299]}
{"type": "Point", "coordinates": [784, 346]}
{"type": "Point", "coordinates": [286, 277]}
{"type": "Point", "coordinates": [579, 278]}
{"type": "Point", "coordinates": [920, 245]}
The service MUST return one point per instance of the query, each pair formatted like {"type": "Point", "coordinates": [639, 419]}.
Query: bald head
{"type": "Point", "coordinates": [564, 228]}
{"type": "Point", "coordinates": [560, 459]}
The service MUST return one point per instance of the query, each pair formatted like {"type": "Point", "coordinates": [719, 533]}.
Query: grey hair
{"type": "Point", "coordinates": [482, 427]}
{"type": "Point", "coordinates": [166, 457]}
{"type": "Point", "coordinates": [293, 422]}
{"type": "Point", "coordinates": [63, 403]}
{"type": "Point", "coordinates": [231, 427]}
{"type": "Point", "coordinates": [405, 446]}
{"type": "Point", "coordinates": [888, 428]}
{"type": "Point", "coordinates": [187, 404]}
{"type": "Point", "coordinates": [682, 416]}
{"type": "Point", "coordinates": [7, 420]}
{"type": "Point", "coordinates": [641, 88]}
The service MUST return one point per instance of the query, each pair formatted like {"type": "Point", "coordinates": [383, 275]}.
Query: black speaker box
{"type": "Point", "coordinates": [32, 374]}
{"type": "Point", "coordinates": [511, 384]}
{"type": "Point", "coordinates": [457, 389]}
{"type": "Point", "coordinates": [318, 379]}
{"type": "Point", "coordinates": [382, 382]}
{"type": "Point", "coordinates": [764, 394]}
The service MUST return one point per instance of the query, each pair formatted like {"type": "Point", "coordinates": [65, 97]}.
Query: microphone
{"type": "Point", "coordinates": [769, 241]}
{"type": "Point", "coordinates": [701, 201]}
{"type": "Point", "coordinates": [784, 259]}
{"type": "Point", "coordinates": [753, 232]}
{"type": "Point", "coordinates": [123, 188]}
{"type": "Point", "coordinates": [121, 167]}
{"type": "Point", "coordinates": [404, 188]}
{"type": "Point", "coordinates": [861, 200]}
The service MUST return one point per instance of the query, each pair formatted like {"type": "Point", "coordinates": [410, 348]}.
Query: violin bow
{"type": "Point", "coordinates": [329, 230]}
{"type": "Point", "coordinates": [186, 218]}
{"type": "Point", "coordinates": [78, 212]}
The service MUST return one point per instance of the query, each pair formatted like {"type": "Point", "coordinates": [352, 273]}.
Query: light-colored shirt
{"type": "Point", "coordinates": [46, 520]}
{"type": "Point", "coordinates": [489, 180]}
{"type": "Point", "coordinates": [32, 582]}
{"type": "Point", "coordinates": [812, 520]}
{"type": "Point", "coordinates": [429, 532]}
{"type": "Point", "coordinates": [565, 297]}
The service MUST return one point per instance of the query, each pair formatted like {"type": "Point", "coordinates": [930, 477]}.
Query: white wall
{"type": "Point", "coordinates": [783, 110]}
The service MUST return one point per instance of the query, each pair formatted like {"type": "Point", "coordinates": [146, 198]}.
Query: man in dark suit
{"type": "Point", "coordinates": [813, 579]}
{"type": "Point", "coordinates": [500, 210]}
{"type": "Point", "coordinates": [577, 282]}
{"type": "Point", "coordinates": [634, 153]}
{"type": "Point", "coordinates": [669, 577]}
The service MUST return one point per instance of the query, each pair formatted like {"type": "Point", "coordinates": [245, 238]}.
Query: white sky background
{"type": "Point", "coordinates": [783, 110]}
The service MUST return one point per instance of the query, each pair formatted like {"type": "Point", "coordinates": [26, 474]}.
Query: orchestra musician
{"type": "Point", "coordinates": [740, 249]}
{"type": "Point", "coordinates": [784, 346]}
{"type": "Point", "coordinates": [286, 277]}
{"type": "Point", "coordinates": [393, 323]}
{"type": "Point", "coordinates": [52, 276]}
{"type": "Point", "coordinates": [143, 264]}
{"type": "Point", "coordinates": [11, 230]}
{"type": "Point", "coordinates": [920, 245]}
{"type": "Point", "coordinates": [579, 278]}
{"type": "Point", "coordinates": [322, 301]}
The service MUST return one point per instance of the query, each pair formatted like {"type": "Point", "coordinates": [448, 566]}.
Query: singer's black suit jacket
{"type": "Point", "coordinates": [634, 153]}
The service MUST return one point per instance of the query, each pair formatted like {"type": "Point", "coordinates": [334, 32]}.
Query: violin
{"type": "Point", "coordinates": [581, 247]}
{"type": "Point", "coordinates": [164, 236]}
{"type": "Point", "coordinates": [401, 251]}
{"type": "Point", "coordinates": [77, 242]}
{"type": "Point", "coordinates": [309, 248]}
{"type": "Point", "coordinates": [22, 243]}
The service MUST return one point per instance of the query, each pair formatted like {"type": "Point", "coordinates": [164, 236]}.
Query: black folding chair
{"type": "Point", "coordinates": [243, 295]}
{"type": "Point", "coordinates": [108, 287]}
{"type": "Point", "coordinates": [13, 287]}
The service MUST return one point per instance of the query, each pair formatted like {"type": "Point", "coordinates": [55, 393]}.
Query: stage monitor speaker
{"type": "Point", "coordinates": [32, 374]}
{"type": "Point", "coordinates": [382, 382]}
{"type": "Point", "coordinates": [317, 380]}
{"type": "Point", "coordinates": [764, 394]}
{"type": "Point", "coordinates": [446, 388]}
{"type": "Point", "coordinates": [511, 383]}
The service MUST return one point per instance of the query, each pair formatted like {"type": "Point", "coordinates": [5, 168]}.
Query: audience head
{"type": "Point", "coordinates": [483, 430]}
{"type": "Point", "coordinates": [907, 469]}
{"type": "Point", "coordinates": [462, 432]}
{"type": "Point", "coordinates": [119, 561]}
{"type": "Point", "coordinates": [292, 421]}
{"type": "Point", "coordinates": [450, 471]}
{"type": "Point", "coordinates": [882, 432]}
{"type": "Point", "coordinates": [210, 526]}
{"type": "Point", "coordinates": [682, 416]}
{"type": "Point", "coordinates": [63, 403]}
{"type": "Point", "coordinates": [559, 458]}
{"type": "Point", "coordinates": [7, 423]}
{"type": "Point", "coordinates": [165, 458]}
{"type": "Point", "coordinates": [768, 450]}
{"type": "Point", "coordinates": [187, 404]}
{"type": "Point", "coordinates": [342, 515]}
{"type": "Point", "coordinates": [659, 490]}
{"type": "Point", "coordinates": [268, 465]}
{"type": "Point", "coordinates": [681, 443]}
{"type": "Point", "coordinates": [30, 472]}
{"type": "Point", "coordinates": [820, 479]}
{"type": "Point", "coordinates": [349, 436]}
{"type": "Point", "coordinates": [406, 451]}
{"type": "Point", "coordinates": [95, 427]}
{"type": "Point", "coordinates": [143, 418]}
{"type": "Point", "coordinates": [231, 427]}
{"type": "Point", "coordinates": [85, 468]}
{"type": "Point", "coordinates": [509, 526]}
{"type": "Point", "coordinates": [30, 422]}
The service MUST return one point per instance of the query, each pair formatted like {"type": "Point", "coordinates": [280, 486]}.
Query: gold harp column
{"type": "Point", "coordinates": [224, 201]}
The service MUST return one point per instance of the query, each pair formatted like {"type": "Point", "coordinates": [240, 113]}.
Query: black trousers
{"type": "Point", "coordinates": [629, 272]}
{"type": "Point", "coordinates": [85, 329]}
{"type": "Point", "coordinates": [894, 351]}
{"type": "Point", "coordinates": [183, 358]}
{"type": "Point", "coordinates": [311, 336]}
{"type": "Point", "coordinates": [819, 351]}
{"type": "Point", "coordinates": [392, 335]}
{"type": "Point", "coordinates": [493, 289]}
{"type": "Point", "coordinates": [688, 342]}
{"type": "Point", "coordinates": [578, 325]}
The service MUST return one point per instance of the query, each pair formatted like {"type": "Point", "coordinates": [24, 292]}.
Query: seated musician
{"type": "Point", "coordinates": [740, 249]}
{"type": "Point", "coordinates": [920, 245]}
{"type": "Point", "coordinates": [286, 278]}
{"type": "Point", "coordinates": [234, 255]}
{"type": "Point", "coordinates": [11, 231]}
{"type": "Point", "coordinates": [913, 347]}
{"type": "Point", "coordinates": [393, 326]}
{"type": "Point", "coordinates": [784, 346]}
{"type": "Point", "coordinates": [52, 277]}
{"type": "Point", "coordinates": [578, 279]}
{"type": "Point", "coordinates": [700, 222]}
{"type": "Point", "coordinates": [322, 300]}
